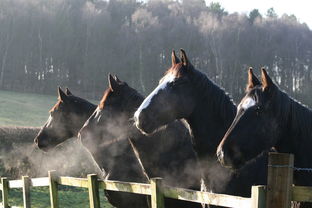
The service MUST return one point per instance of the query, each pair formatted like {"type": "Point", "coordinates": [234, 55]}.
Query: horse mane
{"type": "Point", "coordinates": [175, 70]}
{"type": "Point", "coordinates": [132, 95]}
{"type": "Point", "coordinates": [215, 96]}
{"type": "Point", "coordinates": [297, 115]}
{"type": "Point", "coordinates": [207, 88]}
{"type": "Point", "coordinates": [56, 106]}
{"type": "Point", "coordinates": [84, 103]}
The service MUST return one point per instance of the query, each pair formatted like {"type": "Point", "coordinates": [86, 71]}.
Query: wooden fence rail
{"type": "Point", "coordinates": [274, 195]}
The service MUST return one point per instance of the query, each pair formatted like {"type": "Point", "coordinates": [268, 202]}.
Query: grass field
{"type": "Point", "coordinates": [24, 109]}
{"type": "Point", "coordinates": [21, 109]}
{"type": "Point", "coordinates": [68, 198]}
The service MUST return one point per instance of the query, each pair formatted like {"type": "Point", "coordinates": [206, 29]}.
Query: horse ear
{"type": "Point", "coordinates": [68, 92]}
{"type": "Point", "coordinates": [61, 95]}
{"type": "Point", "coordinates": [174, 59]}
{"type": "Point", "coordinates": [184, 58]}
{"type": "Point", "coordinates": [116, 78]}
{"type": "Point", "coordinates": [266, 80]}
{"type": "Point", "coordinates": [252, 80]}
{"type": "Point", "coordinates": [113, 84]}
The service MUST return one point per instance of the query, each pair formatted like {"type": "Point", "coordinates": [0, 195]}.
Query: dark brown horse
{"type": "Point", "coordinates": [185, 92]}
{"type": "Point", "coordinates": [66, 119]}
{"type": "Point", "coordinates": [167, 153]}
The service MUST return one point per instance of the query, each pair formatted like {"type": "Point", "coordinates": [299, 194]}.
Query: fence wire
{"type": "Point", "coordinates": [294, 168]}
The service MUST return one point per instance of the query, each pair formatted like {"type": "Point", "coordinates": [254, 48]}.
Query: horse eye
{"type": "Point", "coordinates": [258, 110]}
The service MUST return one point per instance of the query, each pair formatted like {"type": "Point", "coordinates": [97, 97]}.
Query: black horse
{"type": "Point", "coordinates": [118, 159]}
{"type": "Point", "coordinates": [185, 92]}
{"type": "Point", "coordinates": [268, 117]}
{"type": "Point", "coordinates": [167, 153]}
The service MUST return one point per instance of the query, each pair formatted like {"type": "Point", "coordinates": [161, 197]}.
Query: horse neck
{"type": "Point", "coordinates": [297, 132]}
{"type": "Point", "coordinates": [119, 158]}
{"type": "Point", "coordinates": [120, 162]}
{"type": "Point", "coordinates": [213, 113]}
{"type": "Point", "coordinates": [86, 110]}
{"type": "Point", "coordinates": [168, 153]}
{"type": "Point", "coordinates": [89, 108]}
{"type": "Point", "coordinates": [163, 160]}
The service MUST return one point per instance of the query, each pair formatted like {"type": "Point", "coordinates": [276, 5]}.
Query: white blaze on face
{"type": "Point", "coordinates": [247, 103]}
{"type": "Point", "coordinates": [164, 82]}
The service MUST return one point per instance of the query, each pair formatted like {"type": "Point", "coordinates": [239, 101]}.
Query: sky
{"type": "Point", "coordinates": [300, 8]}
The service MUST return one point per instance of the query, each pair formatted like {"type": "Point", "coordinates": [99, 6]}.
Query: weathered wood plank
{"type": "Point", "coordinates": [71, 181]}
{"type": "Point", "coordinates": [206, 197]}
{"type": "Point", "coordinates": [94, 197]}
{"type": "Point", "coordinates": [280, 180]}
{"type": "Point", "coordinates": [40, 182]}
{"type": "Point", "coordinates": [53, 189]}
{"type": "Point", "coordinates": [140, 188]}
{"type": "Point", "coordinates": [137, 188]}
{"type": "Point", "coordinates": [258, 194]}
{"type": "Point", "coordinates": [34, 182]}
{"type": "Point", "coordinates": [26, 191]}
{"type": "Point", "coordinates": [157, 197]}
{"type": "Point", "coordinates": [5, 192]}
{"type": "Point", "coordinates": [302, 193]}
{"type": "Point", "coordinates": [16, 184]}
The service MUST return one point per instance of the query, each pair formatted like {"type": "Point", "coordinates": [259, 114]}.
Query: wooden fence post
{"type": "Point", "coordinates": [53, 189]}
{"type": "Point", "coordinates": [93, 186]}
{"type": "Point", "coordinates": [258, 196]}
{"type": "Point", "coordinates": [280, 180]}
{"type": "Point", "coordinates": [26, 191]}
{"type": "Point", "coordinates": [5, 192]}
{"type": "Point", "coordinates": [157, 196]}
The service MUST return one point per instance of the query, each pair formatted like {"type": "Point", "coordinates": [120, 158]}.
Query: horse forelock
{"type": "Point", "coordinates": [106, 94]}
{"type": "Point", "coordinates": [176, 71]}
{"type": "Point", "coordinates": [56, 106]}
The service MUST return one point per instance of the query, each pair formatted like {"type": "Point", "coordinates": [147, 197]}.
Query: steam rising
{"type": "Point", "coordinates": [20, 156]}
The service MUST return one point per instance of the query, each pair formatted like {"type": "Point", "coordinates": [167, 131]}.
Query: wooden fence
{"type": "Point", "coordinates": [278, 193]}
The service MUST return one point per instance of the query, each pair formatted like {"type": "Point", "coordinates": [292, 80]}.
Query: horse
{"type": "Point", "coordinates": [186, 93]}
{"type": "Point", "coordinates": [268, 117]}
{"type": "Point", "coordinates": [167, 153]}
{"type": "Point", "coordinates": [66, 119]}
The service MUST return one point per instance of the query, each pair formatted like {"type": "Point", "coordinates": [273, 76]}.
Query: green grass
{"type": "Point", "coordinates": [24, 109]}
{"type": "Point", "coordinates": [68, 198]}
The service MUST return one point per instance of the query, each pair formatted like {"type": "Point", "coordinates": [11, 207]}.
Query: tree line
{"type": "Point", "coordinates": [76, 43]}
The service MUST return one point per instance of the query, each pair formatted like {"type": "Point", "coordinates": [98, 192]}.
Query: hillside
{"type": "Point", "coordinates": [24, 109]}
